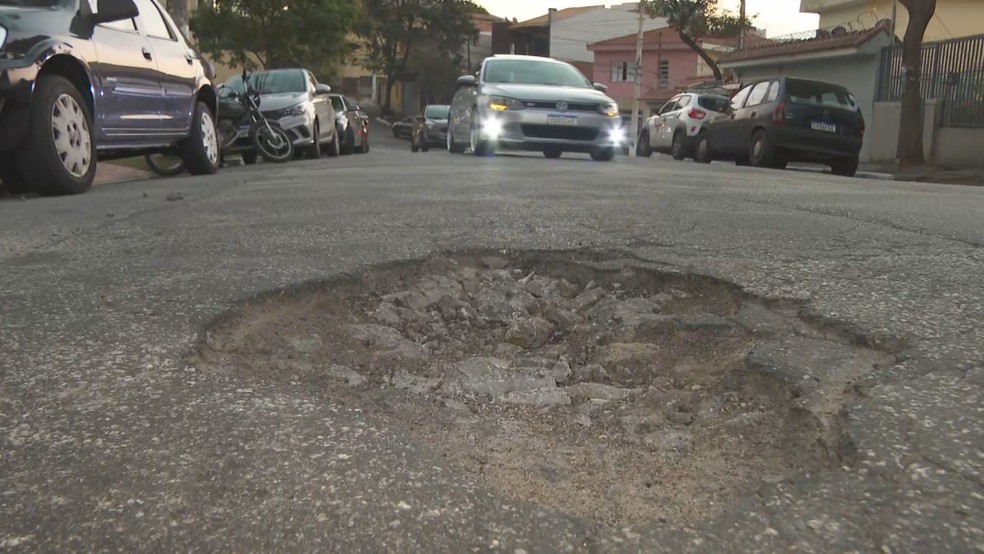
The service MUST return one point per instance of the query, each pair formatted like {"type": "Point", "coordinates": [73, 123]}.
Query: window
{"type": "Point", "coordinates": [312, 83]}
{"type": "Point", "coordinates": [713, 103]}
{"type": "Point", "coordinates": [664, 74]}
{"type": "Point", "coordinates": [669, 106]}
{"type": "Point", "coordinates": [152, 21]}
{"type": "Point", "coordinates": [337, 103]}
{"type": "Point", "coordinates": [739, 99]}
{"type": "Point", "coordinates": [437, 112]}
{"type": "Point", "coordinates": [683, 102]}
{"type": "Point", "coordinates": [773, 92]}
{"type": "Point", "coordinates": [624, 72]}
{"type": "Point", "coordinates": [758, 93]}
{"type": "Point", "coordinates": [280, 81]}
{"type": "Point", "coordinates": [534, 72]}
{"type": "Point", "coordinates": [819, 94]}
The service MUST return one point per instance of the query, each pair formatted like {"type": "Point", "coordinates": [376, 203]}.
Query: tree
{"type": "Point", "coordinates": [911, 124]}
{"type": "Point", "coordinates": [392, 29]}
{"type": "Point", "coordinates": [268, 34]}
{"type": "Point", "coordinates": [695, 19]}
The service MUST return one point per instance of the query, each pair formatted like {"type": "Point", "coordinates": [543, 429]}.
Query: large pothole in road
{"type": "Point", "coordinates": [601, 387]}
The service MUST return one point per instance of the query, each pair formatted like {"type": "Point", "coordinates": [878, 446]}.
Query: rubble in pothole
{"type": "Point", "coordinates": [620, 395]}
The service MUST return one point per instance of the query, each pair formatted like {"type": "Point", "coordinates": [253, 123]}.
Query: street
{"type": "Point", "coordinates": [115, 437]}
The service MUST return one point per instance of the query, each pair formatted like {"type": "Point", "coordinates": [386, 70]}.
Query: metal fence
{"type": "Point", "coordinates": [952, 73]}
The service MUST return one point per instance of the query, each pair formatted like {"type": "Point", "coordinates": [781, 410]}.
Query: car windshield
{"type": "Point", "coordinates": [819, 94]}
{"type": "Point", "coordinates": [532, 72]}
{"type": "Point", "coordinates": [714, 103]}
{"type": "Point", "coordinates": [336, 102]}
{"type": "Point", "coordinates": [280, 82]}
{"type": "Point", "coordinates": [437, 112]}
{"type": "Point", "coordinates": [235, 84]}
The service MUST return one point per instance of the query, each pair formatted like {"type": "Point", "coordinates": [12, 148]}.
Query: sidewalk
{"type": "Point", "coordinates": [920, 174]}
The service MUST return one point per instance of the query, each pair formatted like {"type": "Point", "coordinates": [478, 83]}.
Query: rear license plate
{"type": "Point", "coordinates": [567, 120]}
{"type": "Point", "coordinates": [243, 133]}
{"type": "Point", "coordinates": [825, 126]}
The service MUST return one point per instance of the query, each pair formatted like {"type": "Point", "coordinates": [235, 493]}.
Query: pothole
{"type": "Point", "coordinates": [600, 387]}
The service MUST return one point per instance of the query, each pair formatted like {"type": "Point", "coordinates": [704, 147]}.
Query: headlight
{"type": "Point", "coordinates": [611, 110]}
{"type": "Point", "coordinates": [3, 37]}
{"type": "Point", "coordinates": [501, 104]}
{"type": "Point", "coordinates": [299, 109]}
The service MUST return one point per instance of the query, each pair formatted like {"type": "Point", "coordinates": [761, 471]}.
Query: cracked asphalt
{"type": "Point", "coordinates": [108, 441]}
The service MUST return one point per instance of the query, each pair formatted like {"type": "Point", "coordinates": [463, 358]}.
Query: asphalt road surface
{"type": "Point", "coordinates": [109, 441]}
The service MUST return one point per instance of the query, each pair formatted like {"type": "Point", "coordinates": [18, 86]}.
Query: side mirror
{"type": "Point", "coordinates": [108, 11]}
{"type": "Point", "coordinates": [353, 108]}
{"type": "Point", "coordinates": [599, 86]}
{"type": "Point", "coordinates": [466, 81]}
{"type": "Point", "coordinates": [322, 89]}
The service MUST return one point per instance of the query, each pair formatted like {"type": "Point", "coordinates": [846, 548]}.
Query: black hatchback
{"type": "Point", "coordinates": [771, 122]}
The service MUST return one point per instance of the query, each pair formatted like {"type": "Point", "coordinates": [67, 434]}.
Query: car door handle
{"type": "Point", "coordinates": [146, 53]}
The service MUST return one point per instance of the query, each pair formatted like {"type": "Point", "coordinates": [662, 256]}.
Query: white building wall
{"type": "Point", "coordinates": [570, 37]}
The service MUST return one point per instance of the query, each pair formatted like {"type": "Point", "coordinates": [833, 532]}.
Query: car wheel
{"type": "Point", "coordinates": [11, 177]}
{"type": "Point", "coordinates": [249, 158]}
{"type": "Point", "coordinates": [703, 153]}
{"type": "Point", "coordinates": [479, 146]}
{"type": "Point", "coordinates": [425, 143]}
{"type": "Point", "coordinates": [453, 147]}
{"type": "Point", "coordinates": [200, 151]}
{"type": "Point", "coordinates": [603, 155]}
{"type": "Point", "coordinates": [60, 149]}
{"type": "Point", "coordinates": [349, 146]}
{"type": "Point", "coordinates": [553, 153]}
{"type": "Point", "coordinates": [314, 151]}
{"type": "Point", "coordinates": [334, 148]}
{"type": "Point", "coordinates": [644, 149]}
{"type": "Point", "coordinates": [845, 167]}
{"type": "Point", "coordinates": [679, 150]}
{"type": "Point", "coordinates": [761, 152]}
{"type": "Point", "coordinates": [413, 143]}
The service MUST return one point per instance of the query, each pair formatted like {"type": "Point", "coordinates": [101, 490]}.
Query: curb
{"type": "Point", "coordinates": [384, 122]}
{"type": "Point", "coordinates": [860, 174]}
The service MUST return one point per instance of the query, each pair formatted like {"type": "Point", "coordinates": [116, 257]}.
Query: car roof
{"type": "Point", "coordinates": [522, 58]}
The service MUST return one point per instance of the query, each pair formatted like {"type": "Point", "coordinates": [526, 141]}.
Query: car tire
{"type": "Point", "coordinates": [845, 167]}
{"type": "Point", "coordinates": [413, 144]}
{"type": "Point", "coordinates": [334, 148]}
{"type": "Point", "coordinates": [349, 147]}
{"type": "Point", "coordinates": [480, 148]}
{"type": "Point", "coordinates": [453, 147]}
{"type": "Point", "coordinates": [314, 151]}
{"type": "Point", "coordinates": [644, 149]}
{"type": "Point", "coordinates": [249, 158]}
{"type": "Point", "coordinates": [11, 178]}
{"type": "Point", "coordinates": [46, 169]}
{"type": "Point", "coordinates": [425, 143]}
{"type": "Point", "coordinates": [761, 152]}
{"type": "Point", "coordinates": [679, 149]}
{"type": "Point", "coordinates": [553, 153]}
{"type": "Point", "coordinates": [200, 151]}
{"type": "Point", "coordinates": [603, 154]}
{"type": "Point", "coordinates": [702, 152]}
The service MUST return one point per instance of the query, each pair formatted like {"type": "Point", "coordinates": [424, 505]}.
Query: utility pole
{"type": "Point", "coordinates": [634, 126]}
{"type": "Point", "coordinates": [741, 30]}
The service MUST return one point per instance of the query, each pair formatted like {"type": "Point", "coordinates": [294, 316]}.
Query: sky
{"type": "Point", "coordinates": [778, 17]}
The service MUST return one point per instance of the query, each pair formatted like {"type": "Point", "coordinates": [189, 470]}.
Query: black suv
{"type": "Point", "coordinates": [771, 122]}
{"type": "Point", "coordinates": [82, 80]}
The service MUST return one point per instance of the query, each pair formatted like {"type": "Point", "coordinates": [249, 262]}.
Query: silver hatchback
{"type": "Point", "coordinates": [533, 104]}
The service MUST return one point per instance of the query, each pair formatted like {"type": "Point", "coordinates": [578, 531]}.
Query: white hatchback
{"type": "Point", "coordinates": [673, 130]}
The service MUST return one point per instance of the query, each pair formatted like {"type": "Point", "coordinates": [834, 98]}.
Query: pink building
{"type": "Point", "coordinates": [667, 65]}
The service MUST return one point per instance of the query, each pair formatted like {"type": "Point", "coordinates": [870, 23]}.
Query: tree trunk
{"type": "Point", "coordinates": [911, 124]}
{"type": "Point", "coordinates": [387, 101]}
{"type": "Point", "coordinates": [689, 41]}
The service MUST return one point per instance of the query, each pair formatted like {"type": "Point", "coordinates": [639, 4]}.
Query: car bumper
{"type": "Point", "coordinates": [299, 128]}
{"type": "Point", "coordinates": [808, 145]}
{"type": "Point", "coordinates": [437, 135]}
{"type": "Point", "coordinates": [536, 130]}
{"type": "Point", "coordinates": [16, 83]}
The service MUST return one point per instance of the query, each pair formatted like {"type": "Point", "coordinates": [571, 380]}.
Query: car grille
{"type": "Point", "coordinates": [559, 132]}
{"type": "Point", "coordinates": [570, 107]}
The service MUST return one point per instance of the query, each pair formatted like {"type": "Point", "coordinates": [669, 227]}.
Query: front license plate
{"type": "Point", "coordinates": [824, 126]}
{"type": "Point", "coordinates": [243, 133]}
{"type": "Point", "coordinates": [568, 120]}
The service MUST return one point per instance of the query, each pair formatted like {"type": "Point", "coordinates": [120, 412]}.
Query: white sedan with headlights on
{"type": "Point", "coordinates": [533, 104]}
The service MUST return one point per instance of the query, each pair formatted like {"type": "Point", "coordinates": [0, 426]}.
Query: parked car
{"type": "Point", "coordinates": [771, 122]}
{"type": "Point", "coordinates": [431, 128]}
{"type": "Point", "coordinates": [353, 126]}
{"type": "Point", "coordinates": [674, 128]}
{"type": "Point", "coordinates": [404, 127]}
{"type": "Point", "coordinates": [536, 104]}
{"type": "Point", "coordinates": [298, 103]}
{"type": "Point", "coordinates": [78, 85]}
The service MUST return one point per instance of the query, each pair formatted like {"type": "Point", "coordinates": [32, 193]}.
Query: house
{"type": "Point", "coordinates": [850, 58]}
{"type": "Point", "coordinates": [953, 19]}
{"type": "Point", "coordinates": [668, 65]}
{"type": "Point", "coordinates": [531, 37]}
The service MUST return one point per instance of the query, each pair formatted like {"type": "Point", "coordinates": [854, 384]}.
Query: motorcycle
{"type": "Point", "coordinates": [236, 111]}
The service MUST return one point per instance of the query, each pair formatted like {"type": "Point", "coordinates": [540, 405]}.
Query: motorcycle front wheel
{"type": "Point", "coordinates": [164, 164]}
{"type": "Point", "coordinates": [272, 143]}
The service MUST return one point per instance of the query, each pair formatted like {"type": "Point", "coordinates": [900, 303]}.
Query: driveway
{"type": "Point", "coordinates": [111, 439]}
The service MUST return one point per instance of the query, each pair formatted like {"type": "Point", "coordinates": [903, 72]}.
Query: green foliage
{"type": "Point", "coordinates": [695, 19]}
{"type": "Point", "coordinates": [277, 33]}
{"type": "Point", "coordinates": [392, 31]}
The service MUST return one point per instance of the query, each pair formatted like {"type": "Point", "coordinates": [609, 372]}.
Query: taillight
{"type": "Point", "coordinates": [779, 114]}
{"type": "Point", "coordinates": [694, 113]}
